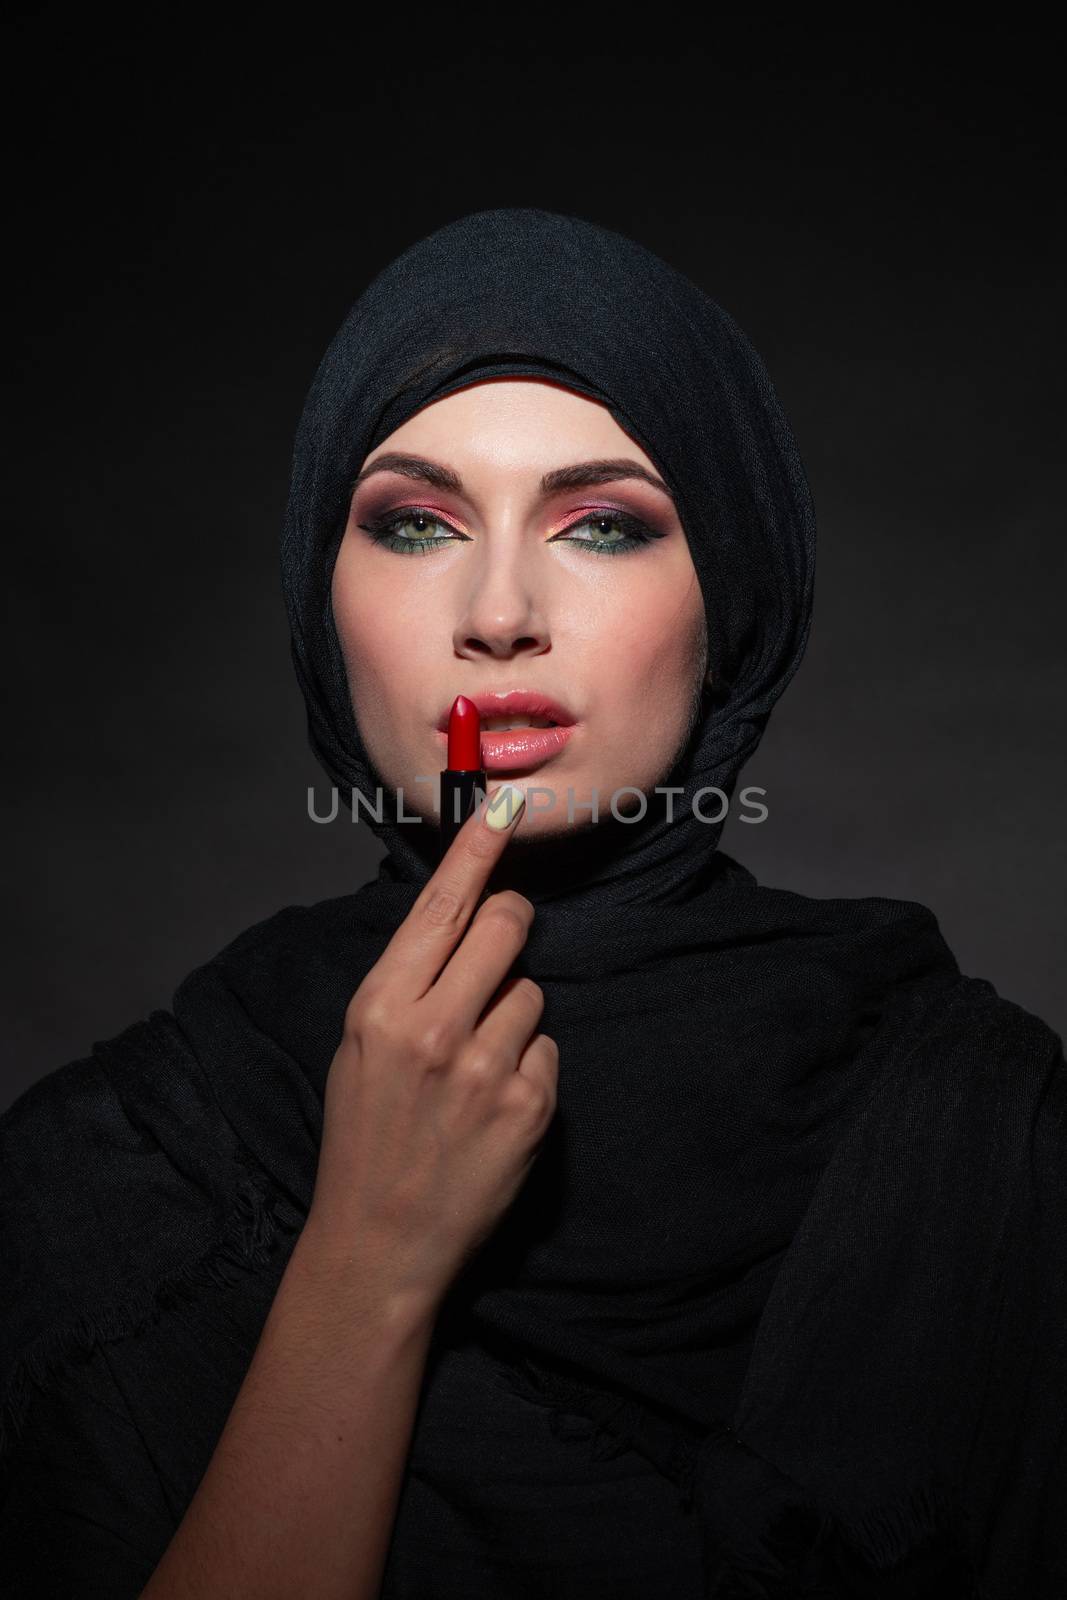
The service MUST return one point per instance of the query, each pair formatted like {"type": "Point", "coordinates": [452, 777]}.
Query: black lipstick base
{"type": "Point", "coordinates": [459, 795]}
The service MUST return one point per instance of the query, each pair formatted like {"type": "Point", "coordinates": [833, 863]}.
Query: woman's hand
{"type": "Point", "coordinates": [441, 1090]}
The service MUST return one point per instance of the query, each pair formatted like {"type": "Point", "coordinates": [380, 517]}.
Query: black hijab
{"type": "Point", "coordinates": [788, 1234]}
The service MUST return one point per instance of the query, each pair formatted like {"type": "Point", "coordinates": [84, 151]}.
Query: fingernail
{"type": "Point", "coordinates": [504, 806]}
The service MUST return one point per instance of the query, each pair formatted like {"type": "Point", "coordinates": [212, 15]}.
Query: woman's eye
{"type": "Point", "coordinates": [386, 531]}
{"type": "Point", "coordinates": [615, 531]}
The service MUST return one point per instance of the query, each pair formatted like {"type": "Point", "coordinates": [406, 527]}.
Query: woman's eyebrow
{"type": "Point", "coordinates": [583, 475]}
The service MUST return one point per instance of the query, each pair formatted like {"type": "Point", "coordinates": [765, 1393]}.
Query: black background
{"type": "Point", "coordinates": [193, 204]}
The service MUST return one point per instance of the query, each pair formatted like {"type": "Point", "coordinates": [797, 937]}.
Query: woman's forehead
{"type": "Point", "coordinates": [527, 424]}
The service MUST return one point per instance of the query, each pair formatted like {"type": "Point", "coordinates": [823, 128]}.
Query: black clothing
{"type": "Point", "coordinates": [781, 1307]}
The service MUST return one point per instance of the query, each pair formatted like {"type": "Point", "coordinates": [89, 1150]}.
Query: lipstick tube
{"type": "Point", "coordinates": [464, 776]}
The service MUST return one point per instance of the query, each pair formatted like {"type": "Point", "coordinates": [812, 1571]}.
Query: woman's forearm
{"type": "Point", "coordinates": [299, 1497]}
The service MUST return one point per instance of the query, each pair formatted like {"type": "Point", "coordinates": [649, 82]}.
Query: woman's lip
{"type": "Point", "coordinates": [506, 749]}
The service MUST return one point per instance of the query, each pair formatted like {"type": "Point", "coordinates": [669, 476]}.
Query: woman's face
{"type": "Point", "coordinates": [582, 589]}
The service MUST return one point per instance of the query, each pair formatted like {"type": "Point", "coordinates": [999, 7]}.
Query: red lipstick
{"type": "Point", "coordinates": [464, 775]}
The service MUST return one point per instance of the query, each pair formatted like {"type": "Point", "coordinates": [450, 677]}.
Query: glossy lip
{"type": "Point", "coordinates": [523, 748]}
{"type": "Point", "coordinates": [513, 703]}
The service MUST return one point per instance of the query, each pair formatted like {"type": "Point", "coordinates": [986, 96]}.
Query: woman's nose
{"type": "Point", "coordinates": [502, 616]}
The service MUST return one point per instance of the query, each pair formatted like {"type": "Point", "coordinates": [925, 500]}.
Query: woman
{"type": "Point", "coordinates": [724, 1257]}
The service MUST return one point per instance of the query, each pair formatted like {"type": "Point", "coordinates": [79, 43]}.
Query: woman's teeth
{"type": "Point", "coordinates": [502, 724]}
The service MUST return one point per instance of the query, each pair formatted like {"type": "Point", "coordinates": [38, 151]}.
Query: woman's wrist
{"type": "Point", "coordinates": [358, 1280]}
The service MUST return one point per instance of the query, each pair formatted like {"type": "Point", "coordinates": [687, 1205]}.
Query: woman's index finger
{"type": "Point", "coordinates": [420, 947]}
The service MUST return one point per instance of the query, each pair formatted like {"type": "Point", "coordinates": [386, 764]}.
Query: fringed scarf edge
{"type": "Point", "coordinates": [257, 1221]}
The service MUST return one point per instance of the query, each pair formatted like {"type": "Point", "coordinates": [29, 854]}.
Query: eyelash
{"type": "Point", "coordinates": [637, 533]}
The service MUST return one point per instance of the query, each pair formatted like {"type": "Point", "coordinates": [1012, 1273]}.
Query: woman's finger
{"type": "Point", "coordinates": [414, 956]}
{"type": "Point", "coordinates": [510, 1020]}
{"type": "Point", "coordinates": [481, 962]}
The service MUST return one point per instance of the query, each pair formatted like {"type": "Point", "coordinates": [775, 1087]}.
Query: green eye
{"type": "Point", "coordinates": [385, 531]}
{"type": "Point", "coordinates": [632, 532]}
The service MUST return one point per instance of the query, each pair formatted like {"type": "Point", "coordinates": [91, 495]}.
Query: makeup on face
{"type": "Point", "coordinates": [382, 515]}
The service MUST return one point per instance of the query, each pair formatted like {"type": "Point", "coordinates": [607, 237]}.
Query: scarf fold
{"type": "Point", "coordinates": [786, 1234]}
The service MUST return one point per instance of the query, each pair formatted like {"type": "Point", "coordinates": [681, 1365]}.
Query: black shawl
{"type": "Point", "coordinates": [796, 1239]}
